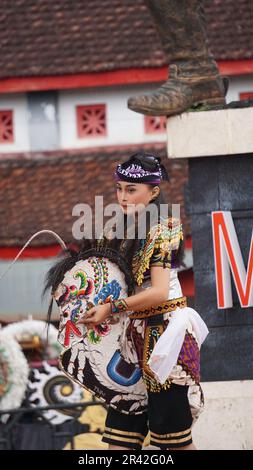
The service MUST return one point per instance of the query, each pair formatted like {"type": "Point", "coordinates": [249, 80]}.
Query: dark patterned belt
{"type": "Point", "coordinates": [167, 306]}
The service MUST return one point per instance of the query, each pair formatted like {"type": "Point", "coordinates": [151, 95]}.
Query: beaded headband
{"type": "Point", "coordinates": [142, 168]}
{"type": "Point", "coordinates": [135, 173]}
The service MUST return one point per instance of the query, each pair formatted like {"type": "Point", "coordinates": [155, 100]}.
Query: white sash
{"type": "Point", "coordinates": [166, 351]}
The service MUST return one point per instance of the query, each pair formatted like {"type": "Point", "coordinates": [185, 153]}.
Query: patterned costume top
{"type": "Point", "coordinates": [160, 248]}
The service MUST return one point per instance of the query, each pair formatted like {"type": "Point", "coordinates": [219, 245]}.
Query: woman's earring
{"type": "Point", "coordinates": [152, 200]}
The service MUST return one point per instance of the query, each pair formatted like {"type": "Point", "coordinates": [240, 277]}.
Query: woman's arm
{"type": "Point", "coordinates": [156, 294]}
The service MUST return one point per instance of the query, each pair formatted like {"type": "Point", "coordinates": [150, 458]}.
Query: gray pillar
{"type": "Point", "coordinates": [221, 183]}
{"type": "Point", "coordinates": [219, 146]}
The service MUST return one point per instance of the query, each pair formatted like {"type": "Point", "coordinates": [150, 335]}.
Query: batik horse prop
{"type": "Point", "coordinates": [92, 358]}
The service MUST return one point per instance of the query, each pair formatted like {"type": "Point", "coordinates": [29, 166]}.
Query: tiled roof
{"type": "Point", "coordinates": [43, 37]}
{"type": "Point", "coordinates": [40, 192]}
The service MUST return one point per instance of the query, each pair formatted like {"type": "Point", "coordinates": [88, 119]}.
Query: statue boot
{"type": "Point", "coordinates": [194, 77]}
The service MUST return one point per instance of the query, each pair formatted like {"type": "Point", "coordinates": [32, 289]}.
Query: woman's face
{"type": "Point", "coordinates": [131, 194]}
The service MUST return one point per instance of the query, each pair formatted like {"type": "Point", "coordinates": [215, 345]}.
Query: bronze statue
{"type": "Point", "coordinates": [194, 76]}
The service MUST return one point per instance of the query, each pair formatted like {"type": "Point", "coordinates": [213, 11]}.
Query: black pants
{"type": "Point", "coordinates": [168, 418]}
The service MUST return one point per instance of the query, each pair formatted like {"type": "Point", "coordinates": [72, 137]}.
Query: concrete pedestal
{"type": "Point", "coordinates": [227, 420]}
{"type": "Point", "coordinates": [219, 146]}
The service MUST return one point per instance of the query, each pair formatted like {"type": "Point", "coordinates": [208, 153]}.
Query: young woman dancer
{"type": "Point", "coordinates": [165, 333]}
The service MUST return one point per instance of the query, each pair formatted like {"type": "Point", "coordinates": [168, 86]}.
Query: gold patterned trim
{"type": "Point", "coordinates": [123, 439]}
{"type": "Point", "coordinates": [152, 333]}
{"type": "Point", "coordinates": [167, 306]}
{"type": "Point", "coordinates": [170, 441]}
{"type": "Point", "coordinates": [172, 434]}
{"type": "Point", "coordinates": [166, 237]}
{"type": "Point", "coordinates": [153, 386]}
{"type": "Point", "coordinates": [126, 433]}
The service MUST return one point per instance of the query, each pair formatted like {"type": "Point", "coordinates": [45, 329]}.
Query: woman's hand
{"type": "Point", "coordinates": [96, 315]}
